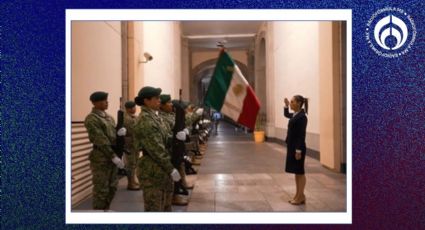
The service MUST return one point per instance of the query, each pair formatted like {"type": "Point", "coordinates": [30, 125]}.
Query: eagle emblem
{"type": "Point", "coordinates": [237, 89]}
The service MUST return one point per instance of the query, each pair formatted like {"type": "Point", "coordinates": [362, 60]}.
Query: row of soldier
{"type": "Point", "coordinates": [156, 154]}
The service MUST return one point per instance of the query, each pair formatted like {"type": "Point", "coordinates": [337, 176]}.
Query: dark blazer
{"type": "Point", "coordinates": [295, 139]}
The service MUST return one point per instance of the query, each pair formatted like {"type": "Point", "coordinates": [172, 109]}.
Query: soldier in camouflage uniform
{"type": "Point", "coordinates": [166, 111]}
{"type": "Point", "coordinates": [191, 114]}
{"type": "Point", "coordinates": [132, 154]}
{"type": "Point", "coordinates": [191, 117]}
{"type": "Point", "coordinates": [104, 162]}
{"type": "Point", "coordinates": [156, 173]}
{"type": "Point", "coordinates": [167, 114]}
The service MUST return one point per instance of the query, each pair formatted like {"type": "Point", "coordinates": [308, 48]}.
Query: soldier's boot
{"type": "Point", "coordinates": [183, 176]}
{"type": "Point", "coordinates": [132, 185]}
{"type": "Point", "coordinates": [189, 170]}
{"type": "Point", "coordinates": [180, 200]}
{"type": "Point", "coordinates": [196, 162]}
{"type": "Point", "coordinates": [197, 152]}
{"type": "Point", "coordinates": [197, 155]}
{"type": "Point", "coordinates": [179, 189]}
{"type": "Point", "coordinates": [183, 180]}
{"type": "Point", "coordinates": [186, 185]}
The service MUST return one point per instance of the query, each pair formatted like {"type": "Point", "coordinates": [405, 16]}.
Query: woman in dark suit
{"type": "Point", "coordinates": [295, 142]}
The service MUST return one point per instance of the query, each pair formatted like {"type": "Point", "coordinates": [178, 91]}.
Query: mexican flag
{"type": "Point", "coordinates": [230, 93]}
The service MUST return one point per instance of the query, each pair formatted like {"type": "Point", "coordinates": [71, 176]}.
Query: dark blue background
{"type": "Point", "coordinates": [388, 114]}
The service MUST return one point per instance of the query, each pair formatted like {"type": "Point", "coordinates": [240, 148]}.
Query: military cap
{"type": "Point", "coordinates": [182, 104]}
{"type": "Point", "coordinates": [165, 98]}
{"type": "Point", "coordinates": [129, 104]}
{"type": "Point", "coordinates": [175, 102]}
{"type": "Point", "coordinates": [98, 96]}
{"type": "Point", "coordinates": [147, 92]}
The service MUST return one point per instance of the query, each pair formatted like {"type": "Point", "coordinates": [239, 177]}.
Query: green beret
{"type": "Point", "coordinates": [129, 104]}
{"type": "Point", "coordinates": [165, 98]}
{"type": "Point", "coordinates": [175, 102]}
{"type": "Point", "coordinates": [183, 104]}
{"type": "Point", "coordinates": [98, 96]}
{"type": "Point", "coordinates": [147, 92]}
{"type": "Point", "coordinates": [186, 104]}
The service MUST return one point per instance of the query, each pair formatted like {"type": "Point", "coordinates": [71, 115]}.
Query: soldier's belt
{"type": "Point", "coordinates": [98, 147]}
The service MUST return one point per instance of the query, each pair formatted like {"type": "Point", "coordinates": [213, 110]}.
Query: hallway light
{"type": "Point", "coordinates": [211, 36]}
{"type": "Point", "coordinates": [147, 56]}
{"type": "Point", "coordinates": [221, 43]}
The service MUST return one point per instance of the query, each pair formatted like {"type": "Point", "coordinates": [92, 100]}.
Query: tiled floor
{"type": "Point", "coordinates": [238, 175]}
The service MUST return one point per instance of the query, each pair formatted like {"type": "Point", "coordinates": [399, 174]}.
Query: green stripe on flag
{"type": "Point", "coordinates": [220, 81]}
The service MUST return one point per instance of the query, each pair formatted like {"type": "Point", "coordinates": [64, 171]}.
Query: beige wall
{"type": "Point", "coordinates": [135, 55]}
{"type": "Point", "coordinates": [294, 54]}
{"type": "Point", "coordinates": [185, 68]}
{"type": "Point", "coordinates": [260, 50]}
{"type": "Point", "coordinates": [330, 96]}
{"type": "Point", "coordinates": [177, 43]}
{"type": "Point", "coordinates": [270, 75]}
{"type": "Point", "coordinates": [200, 56]}
{"type": "Point", "coordinates": [96, 61]}
{"type": "Point", "coordinates": [162, 41]}
{"type": "Point", "coordinates": [96, 65]}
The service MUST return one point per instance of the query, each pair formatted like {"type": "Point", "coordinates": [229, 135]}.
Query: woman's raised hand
{"type": "Point", "coordinates": [286, 102]}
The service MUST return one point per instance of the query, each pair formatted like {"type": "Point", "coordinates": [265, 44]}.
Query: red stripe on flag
{"type": "Point", "coordinates": [251, 106]}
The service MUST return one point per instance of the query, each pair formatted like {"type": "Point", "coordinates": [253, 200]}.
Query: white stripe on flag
{"type": "Point", "coordinates": [235, 96]}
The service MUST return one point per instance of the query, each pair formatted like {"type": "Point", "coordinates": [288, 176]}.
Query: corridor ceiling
{"type": "Point", "coordinates": [204, 35]}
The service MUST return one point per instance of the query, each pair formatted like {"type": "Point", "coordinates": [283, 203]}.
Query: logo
{"type": "Point", "coordinates": [390, 32]}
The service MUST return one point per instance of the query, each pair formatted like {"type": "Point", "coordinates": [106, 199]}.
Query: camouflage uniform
{"type": "Point", "coordinates": [155, 167]}
{"type": "Point", "coordinates": [170, 119]}
{"type": "Point", "coordinates": [101, 129]}
{"type": "Point", "coordinates": [129, 122]}
{"type": "Point", "coordinates": [190, 119]}
{"type": "Point", "coordinates": [133, 155]}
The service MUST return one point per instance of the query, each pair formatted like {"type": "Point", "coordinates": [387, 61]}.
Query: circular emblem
{"type": "Point", "coordinates": [390, 32]}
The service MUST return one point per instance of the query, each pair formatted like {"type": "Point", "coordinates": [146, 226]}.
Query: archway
{"type": "Point", "coordinates": [201, 77]}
